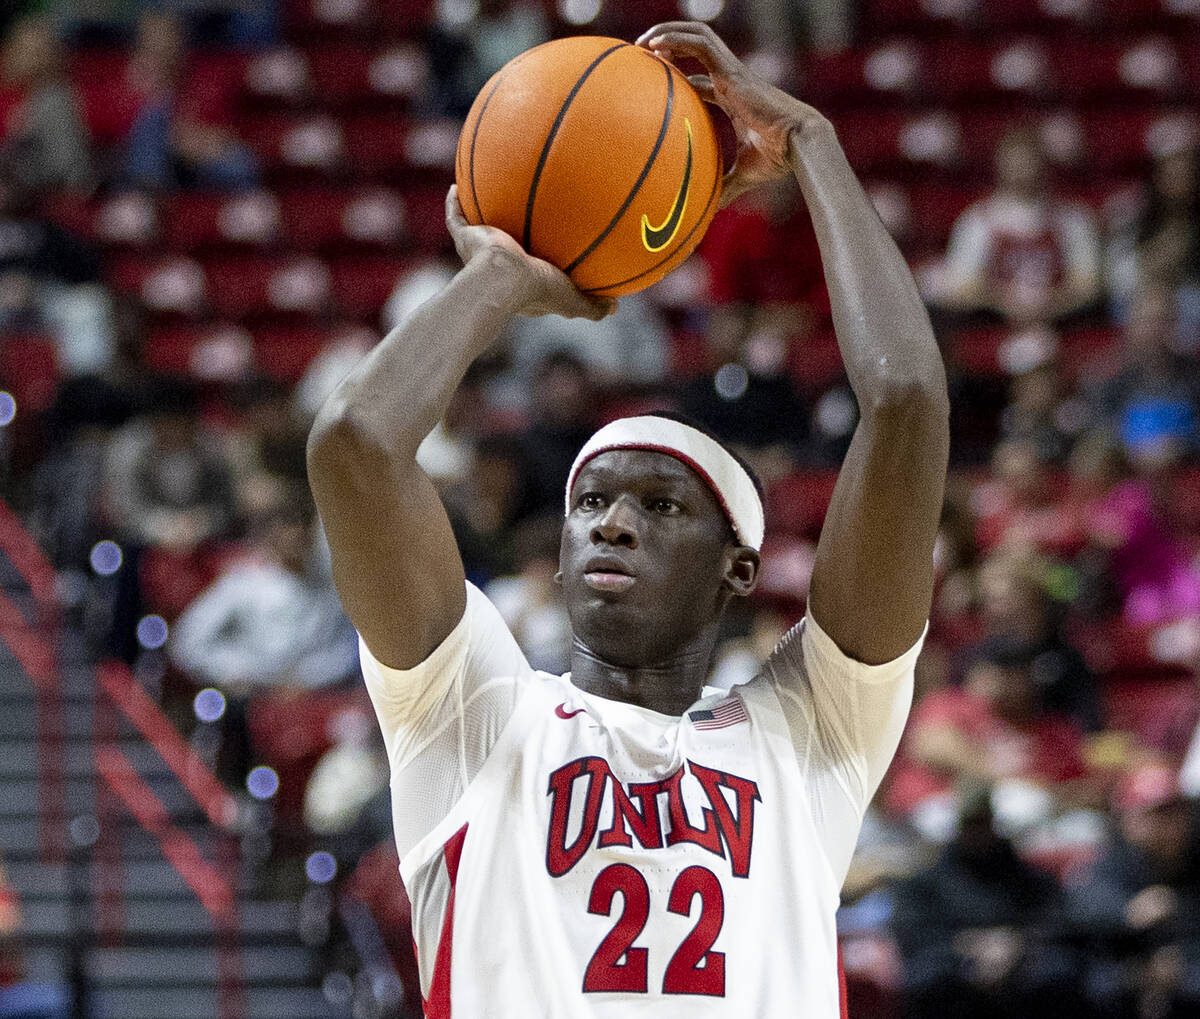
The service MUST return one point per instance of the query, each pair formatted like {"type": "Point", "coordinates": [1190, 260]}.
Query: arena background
{"type": "Point", "coordinates": [209, 211]}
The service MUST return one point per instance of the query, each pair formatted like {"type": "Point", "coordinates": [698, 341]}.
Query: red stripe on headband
{"type": "Point", "coordinates": [669, 451]}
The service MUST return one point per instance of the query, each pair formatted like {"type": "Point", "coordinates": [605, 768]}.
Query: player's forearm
{"type": "Point", "coordinates": [395, 396]}
{"type": "Point", "coordinates": [883, 331]}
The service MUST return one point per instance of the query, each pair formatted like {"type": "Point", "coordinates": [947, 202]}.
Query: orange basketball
{"type": "Point", "coordinates": [597, 156]}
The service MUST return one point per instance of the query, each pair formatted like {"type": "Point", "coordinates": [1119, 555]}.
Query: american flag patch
{"type": "Point", "coordinates": [729, 712]}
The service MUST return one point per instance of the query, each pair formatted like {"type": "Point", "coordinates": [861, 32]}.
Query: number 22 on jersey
{"type": "Point", "coordinates": [694, 968]}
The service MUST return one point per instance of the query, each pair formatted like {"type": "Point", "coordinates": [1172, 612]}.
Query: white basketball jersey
{"type": "Point", "coordinates": [572, 856]}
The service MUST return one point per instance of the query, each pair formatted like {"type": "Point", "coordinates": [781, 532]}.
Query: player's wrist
{"type": "Point", "coordinates": [807, 130]}
{"type": "Point", "coordinates": [505, 275]}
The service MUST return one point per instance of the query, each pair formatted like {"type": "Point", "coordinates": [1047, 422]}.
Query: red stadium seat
{"type": "Point", "coordinates": [341, 74]}
{"type": "Point", "coordinates": [377, 144]}
{"type": "Point", "coordinates": [362, 285]}
{"type": "Point", "coordinates": [879, 142]}
{"type": "Point", "coordinates": [977, 352]}
{"type": "Point", "coordinates": [892, 71]}
{"type": "Point", "coordinates": [964, 72]}
{"type": "Point", "coordinates": [1061, 131]}
{"type": "Point", "coordinates": [935, 207]}
{"type": "Point", "coordinates": [816, 364]}
{"type": "Point", "coordinates": [279, 76]}
{"type": "Point", "coordinates": [245, 287]}
{"type": "Point", "coordinates": [170, 285]}
{"type": "Point", "coordinates": [1043, 17]}
{"type": "Point", "coordinates": [406, 18]}
{"type": "Point", "coordinates": [1123, 141]}
{"type": "Point", "coordinates": [923, 17]}
{"type": "Point", "coordinates": [796, 504]}
{"type": "Point", "coordinates": [1088, 70]}
{"type": "Point", "coordinates": [202, 220]}
{"type": "Point", "coordinates": [1155, 15]}
{"type": "Point", "coordinates": [325, 219]}
{"type": "Point", "coordinates": [107, 105]}
{"type": "Point", "coordinates": [290, 146]}
{"type": "Point", "coordinates": [425, 212]}
{"type": "Point", "coordinates": [29, 369]}
{"type": "Point", "coordinates": [286, 353]}
{"type": "Point", "coordinates": [129, 220]}
{"type": "Point", "coordinates": [322, 19]}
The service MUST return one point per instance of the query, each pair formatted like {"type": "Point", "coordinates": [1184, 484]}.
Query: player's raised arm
{"type": "Point", "coordinates": [873, 578]}
{"type": "Point", "coordinates": [395, 560]}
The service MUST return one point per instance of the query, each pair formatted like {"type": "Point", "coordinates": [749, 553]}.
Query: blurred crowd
{"type": "Point", "coordinates": [1035, 842]}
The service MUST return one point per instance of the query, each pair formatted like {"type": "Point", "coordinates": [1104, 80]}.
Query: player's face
{"type": "Point", "coordinates": [644, 556]}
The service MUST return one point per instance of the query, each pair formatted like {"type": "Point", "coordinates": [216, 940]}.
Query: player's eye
{"type": "Point", "coordinates": [590, 501]}
{"type": "Point", "coordinates": [665, 506]}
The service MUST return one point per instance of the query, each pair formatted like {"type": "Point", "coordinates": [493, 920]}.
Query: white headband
{"type": "Point", "coordinates": [724, 475]}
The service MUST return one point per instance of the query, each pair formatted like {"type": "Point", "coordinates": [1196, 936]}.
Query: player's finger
{"type": "Point", "coordinates": [703, 85]}
{"type": "Point", "coordinates": [696, 27]}
{"type": "Point", "coordinates": [709, 50]}
{"type": "Point", "coordinates": [455, 220]}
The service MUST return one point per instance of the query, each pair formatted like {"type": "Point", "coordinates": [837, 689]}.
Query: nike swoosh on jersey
{"type": "Point", "coordinates": [655, 238]}
{"type": "Point", "coordinates": [562, 711]}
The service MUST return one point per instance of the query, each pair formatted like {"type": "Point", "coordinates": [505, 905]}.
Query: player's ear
{"type": "Point", "coordinates": [742, 565]}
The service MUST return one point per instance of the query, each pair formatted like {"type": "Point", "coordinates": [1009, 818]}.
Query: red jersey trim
{"type": "Point", "coordinates": [843, 1006]}
{"type": "Point", "coordinates": [437, 1006]}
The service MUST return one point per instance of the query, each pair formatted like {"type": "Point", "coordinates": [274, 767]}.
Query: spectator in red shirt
{"type": "Point", "coordinates": [992, 728]}
{"type": "Point", "coordinates": [182, 134]}
{"type": "Point", "coordinates": [1021, 253]}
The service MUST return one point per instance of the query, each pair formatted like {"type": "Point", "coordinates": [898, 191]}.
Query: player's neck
{"type": "Point", "coordinates": [669, 687]}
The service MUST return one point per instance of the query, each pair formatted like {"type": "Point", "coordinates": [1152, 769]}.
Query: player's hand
{"type": "Point", "coordinates": [544, 289]}
{"type": "Point", "coordinates": [763, 116]}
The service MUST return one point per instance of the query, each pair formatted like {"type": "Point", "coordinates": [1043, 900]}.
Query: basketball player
{"type": "Point", "coordinates": [613, 842]}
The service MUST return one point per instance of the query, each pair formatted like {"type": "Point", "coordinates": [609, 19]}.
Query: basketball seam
{"type": "Point", "coordinates": [545, 154]}
{"type": "Point", "coordinates": [662, 134]}
{"type": "Point", "coordinates": [474, 136]}
{"type": "Point", "coordinates": [675, 250]}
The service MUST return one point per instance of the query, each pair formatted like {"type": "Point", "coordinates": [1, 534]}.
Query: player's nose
{"type": "Point", "coordinates": [618, 525]}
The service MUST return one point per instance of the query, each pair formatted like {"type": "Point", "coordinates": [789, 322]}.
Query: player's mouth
{"type": "Point", "coordinates": [607, 573]}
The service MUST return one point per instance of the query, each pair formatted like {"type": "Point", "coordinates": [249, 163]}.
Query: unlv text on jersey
{"type": "Point", "coordinates": [726, 827]}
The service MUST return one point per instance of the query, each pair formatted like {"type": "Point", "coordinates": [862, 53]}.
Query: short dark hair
{"type": "Point", "coordinates": [684, 419]}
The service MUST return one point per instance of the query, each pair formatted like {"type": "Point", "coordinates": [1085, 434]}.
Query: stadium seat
{"type": "Point", "coordinates": [285, 353]}
{"type": "Point", "coordinates": [924, 18]}
{"type": "Point", "coordinates": [362, 285]}
{"type": "Point", "coordinates": [322, 19]}
{"type": "Point", "coordinates": [881, 142]}
{"type": "Point", "coordinates": [935, 207]}
{"type": "Point", "coordinates": [1043, 17]}
{"type": "Point", "coordinates": [29, 370]}
{"type": "Point", "coordinates": [128, 219]}
{"type": "Point", "coordinates": [340, 75]}
{"type": "Point", "coordinates": [425, 213]}
{"type": "Point", "coordinates": [246, 287]}
{"type": "Point", "coordinates": [964, 72]}
{"type": "Point", "coordinates": [325, 218]}
{"type": "Point", "coordinates": [304, 146]}
{"type": "Point", "coordinates": [377, 145]}
{"type": "Point", "coordinates": [216, 351]}
{"type": "Point", "coordinates": [1157, 15]}
{"type": "Point", "coordinates": [1122, 141]}
{"type": "Point", "coordinates": [168, 285]}
{"type": "Point", "coordinates": [193, 221]}
{"type": "Point", "coordinates": [107, 108]}
{"type": "Point", "coordinates": [890, 72]}
{"type": "Point", "coordinates": [1088, 71]}
{"type": "Point", "coordinates": [404, 18]}
{"type": "Point", "coordinates": [796, 504]}
{"type": "Point", "coordinates": [278, 76]}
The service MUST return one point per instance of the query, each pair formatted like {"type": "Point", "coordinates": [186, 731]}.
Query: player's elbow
{"type": "Point", "coordinates": [341, 440]}
{"type": "Point", "coordinates": [910, 396]}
